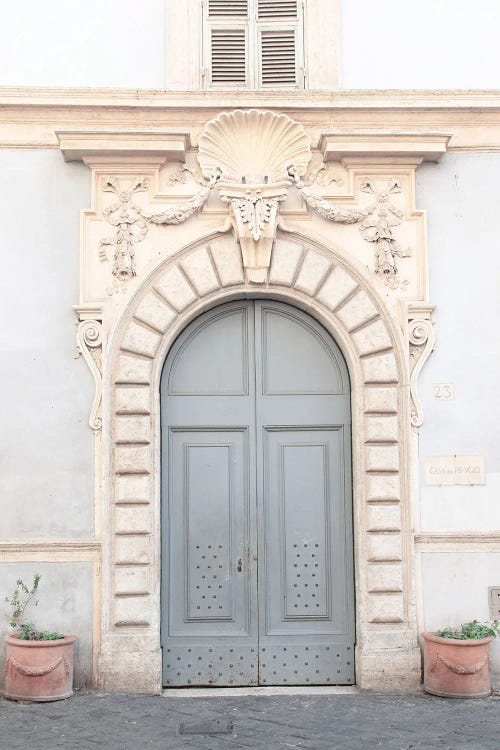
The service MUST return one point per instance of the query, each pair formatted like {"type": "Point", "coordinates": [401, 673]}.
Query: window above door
{"type": "Point", "coordinates": [252, 45]}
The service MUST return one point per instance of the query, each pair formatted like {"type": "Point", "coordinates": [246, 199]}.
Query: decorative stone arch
{"type": "Point", "coordinates": [318, 280]}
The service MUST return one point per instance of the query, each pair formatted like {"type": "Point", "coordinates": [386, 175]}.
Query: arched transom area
{"type": "Point", "coordinates": [314, 279]}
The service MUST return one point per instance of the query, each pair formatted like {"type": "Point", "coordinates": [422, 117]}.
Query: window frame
{"type": "Point", "coordinates": [253, 47]}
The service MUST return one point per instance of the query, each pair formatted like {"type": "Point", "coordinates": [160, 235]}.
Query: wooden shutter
{"type": "Point", "coordinates": [276, 9]}
{"type": "Point", "coordinates": [227, 8]}
{"type": "Point", "coordinates": [228, 56]}
{"type": "Point", "coordinates": [278, 53]}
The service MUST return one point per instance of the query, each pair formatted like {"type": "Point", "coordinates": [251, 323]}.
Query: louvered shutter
{"type": "Point", "coordinates": [228, 8]}
{"type": "Point", "coordinates": [253, 43]}
{"type": "Point", "coordinates": [228, 56]}
{"type": "Point", "coordinates": [280, 42]}
{"type": "Point", "coordinates": [278, 61]}
{"type": "Point", "coordinates": [276, 9]}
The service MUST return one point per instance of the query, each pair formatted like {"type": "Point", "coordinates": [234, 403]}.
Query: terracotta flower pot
{"type": "Point", "coordinates": [39, 670]}
{"type": "Point", "coordinates": [456, 669]}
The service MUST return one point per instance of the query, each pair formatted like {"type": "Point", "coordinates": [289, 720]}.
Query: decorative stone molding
{"type": "Point", "coordinates": [253, 151]}
{"type": "Point", "coordinates": [78, 145]}
{"type": "Point", "coordinates": [274, 202]}
{"type": "Point", "coordinates": [313, 278]}
{"type": "Point", "coordinates": [421, 343]}
{"type": "Point", "coordinates": [338, 145]}
{"type": "Point", "coordinates": [89, 341]}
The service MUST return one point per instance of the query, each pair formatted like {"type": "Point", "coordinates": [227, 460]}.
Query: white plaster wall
{"type": "Point", "coordinates": [461, 199]}
{"type": "Point", "coordinates": [83, 43]}
{"type": "Point", "coordinates": [123, 44]}
{"type": "Point", "coordinates": [64, 604]}
{"type": "Point", "coordinates": [455, 590]}
{"type": "Point", "coordinates": [46, 445]}
{"type": "Point", "coordinates": [426, 44]}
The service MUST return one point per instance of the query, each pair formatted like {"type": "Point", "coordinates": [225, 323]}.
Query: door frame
{"type": "Point", "coordinates": [376, 353]}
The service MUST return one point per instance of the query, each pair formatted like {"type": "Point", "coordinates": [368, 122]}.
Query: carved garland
{"type": "Point", "coordinates": [254, 181]}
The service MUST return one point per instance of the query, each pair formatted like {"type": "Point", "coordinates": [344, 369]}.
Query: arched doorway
{"type": "Point", "coordinates": [257, 550]}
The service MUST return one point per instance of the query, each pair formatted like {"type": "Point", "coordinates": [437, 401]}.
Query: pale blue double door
{"type": "Point", "coordinates": [257, 558]}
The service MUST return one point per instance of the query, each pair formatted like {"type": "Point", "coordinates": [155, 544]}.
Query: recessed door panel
{"type": "Point", "coordinates": [208, 533]}
{"type": "Point", "coordinates": [257, 563]}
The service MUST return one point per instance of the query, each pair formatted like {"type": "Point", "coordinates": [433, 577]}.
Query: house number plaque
{"type": "Point", "coordinates": [454, 470]}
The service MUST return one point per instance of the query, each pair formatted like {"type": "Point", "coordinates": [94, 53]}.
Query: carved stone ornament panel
{"type": "Point", "coordinates": [255, 206]}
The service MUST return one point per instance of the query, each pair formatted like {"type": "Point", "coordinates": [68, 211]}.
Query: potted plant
{"type": "Point", "coordinates": [456, 661]}
{"type": "Point", "coordinates": [39, 664]}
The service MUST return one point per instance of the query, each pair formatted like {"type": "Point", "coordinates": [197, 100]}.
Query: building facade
{"type": "Point", "coordinates": [251, 286]}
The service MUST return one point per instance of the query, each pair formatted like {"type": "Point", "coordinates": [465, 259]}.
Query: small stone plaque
{"type": "Point", "coordinates": [454, 470]}
{"type": "Point", "coordinates": [216, 726]}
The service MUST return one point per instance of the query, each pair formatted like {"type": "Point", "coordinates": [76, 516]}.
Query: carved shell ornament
{"type": "Point", "coordinates": [254, 146]}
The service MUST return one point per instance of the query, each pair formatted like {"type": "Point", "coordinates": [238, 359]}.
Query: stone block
{"type": "Point", "coordinates": [385, 578]}
{"type": "Point", "coordinates": [176, 290]}
{"type": "Point", "coordinates": [141, 340]}
{"type": "Point", "coordinates": [116, 667]}
{"type": "Point", "coordinates": [134, 580]}
{"type": "Point", "coordinates": [155, 312]}
{"type": "Point", "coordinates": [132, 400]}
{"type": "Point", "coordinates": [130, 519]}
{"type": "Point", "coordinates": [384, 518]}
{"type": "Point", "coordinates": [382, 457]}
{"type": "Point", "coordinates": [385, 608]}
{"type": "Point", "coordinates": [133, 488]}
{"type": "Point", "coordinates": [132, 460]}
{"type": "Point", "coordinates": [132, 611]}
{"type": "Point", "coordinates": [357, 310]}
{"type": "Point", "coordinates": [373, 338]}
{"type": "Point", "coordinates": [285, 259]}
{"type": "Point", "coordinates": [380, 369]}
{"type": "Point", "coordinates": [133, 370]}
{"type": "Point", "coordinates": [336, 288]}
{"type": "Point", "coordinates": [381, 400]}
{"type": "Point", "coordinates": [200, 271]}
{"type": "Point", "coordinates": [382, 428]}
{"type": "Point", "coordinates": [132, 550]}
{"type": "Point", "coordinates": [384, 547]}
{"type": "Point", "coordinates": [227, 259]}
{"type": "Point", "coordinates": [133, 429]}
{"type": "Point", "coordinates": [312, 272]}
{"type": "Point", "coordinates": [383, 487]}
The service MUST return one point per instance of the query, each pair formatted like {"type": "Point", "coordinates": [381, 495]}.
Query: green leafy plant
{"type": "Point", "coordinates": [19, 601]}
{"type": "Point", "coordinates": [472, 631]}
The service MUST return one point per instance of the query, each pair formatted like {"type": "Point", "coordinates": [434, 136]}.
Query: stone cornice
{"type": "Point", "coordinates": [336, 145]}
{"type": "Point", "coordinates": [355, 99]}
{"type": "Point", "coordinates": [30, 117]}
{"type": "Point", "coordinates": [78, 145]}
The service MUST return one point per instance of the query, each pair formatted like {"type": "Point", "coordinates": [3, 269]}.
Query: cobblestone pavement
{"type": "Point", "coordinates": [364, 721]}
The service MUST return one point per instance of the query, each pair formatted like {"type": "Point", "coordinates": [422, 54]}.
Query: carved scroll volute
{"type": "Point", "coordinates": [421, 343]}
{"type": "Point", "coordinates": [89, 344]}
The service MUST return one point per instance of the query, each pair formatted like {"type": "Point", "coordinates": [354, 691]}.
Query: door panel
{"type": "Point", "coordinates": [209, 583]}
{"type": "Point", "coordinates": [303, 580]}
{"type": "Point", "coordinates": [306, 581]}
{"type": "Point", "coordinates": [208, 533]}
{"type": "Point", "coordinates": [289, 346]}
{"type": "Point", "coordinates": [199, 367]}
{"type": "Point", "coordinates": [257, 558]}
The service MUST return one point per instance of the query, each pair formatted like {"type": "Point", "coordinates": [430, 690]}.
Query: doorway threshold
{"type": "Point", "coordinates": [239, 692]}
